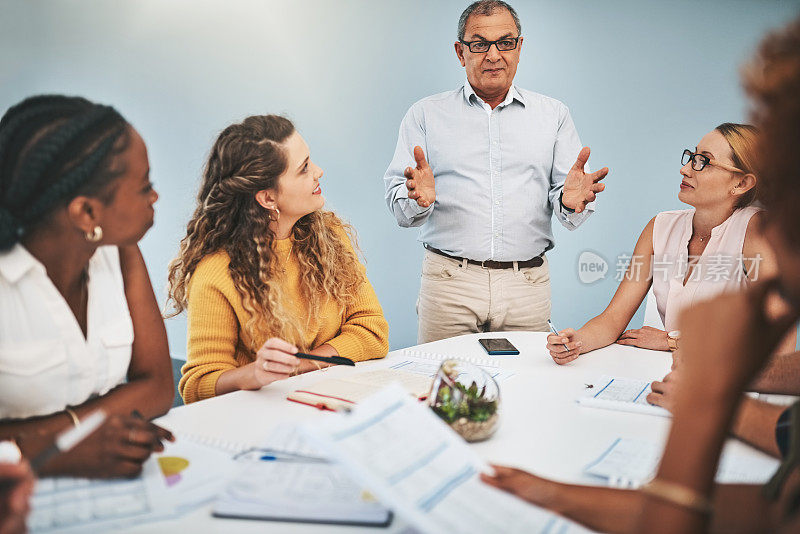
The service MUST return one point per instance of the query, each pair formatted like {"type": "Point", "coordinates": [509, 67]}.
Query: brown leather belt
{"type": "Point", "coordinates": [538, 261]}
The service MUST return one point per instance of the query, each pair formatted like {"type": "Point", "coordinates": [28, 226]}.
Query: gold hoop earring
{"type": "Point", "coordinates": [95, 236]}
{"type": "Point", "coordinates": [277, 214]}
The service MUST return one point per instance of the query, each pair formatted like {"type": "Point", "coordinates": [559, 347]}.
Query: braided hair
{"type": "Point", "coordinates": [52, 149]}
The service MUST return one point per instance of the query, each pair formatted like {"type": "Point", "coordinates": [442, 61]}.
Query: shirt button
{"type": "Point", "coordinates": [496, 202]}
{"type": "Point", "coordinates": [497, 234]}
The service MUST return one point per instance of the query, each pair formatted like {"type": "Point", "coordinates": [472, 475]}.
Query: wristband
{"type": "Point", "coordinates": [561, 201]}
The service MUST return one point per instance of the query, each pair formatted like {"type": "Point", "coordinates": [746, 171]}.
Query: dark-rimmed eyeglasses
{"type": "Point", "coordinates": [699, 162]}
{"type": "Point", "coordinates": [480, 47]}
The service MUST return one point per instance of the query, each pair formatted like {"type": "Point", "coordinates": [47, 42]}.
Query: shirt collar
{"type": "Point", "coordinates": [513, 94]}
{"type": "Point", "coordinates": [15, 263]}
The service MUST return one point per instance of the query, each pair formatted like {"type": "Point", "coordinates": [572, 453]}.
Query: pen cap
{"type": "Point", "coordinates": [9, 453]}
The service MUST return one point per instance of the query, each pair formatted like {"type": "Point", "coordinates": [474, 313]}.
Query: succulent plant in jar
{"type": "Point", "coordinates": [465, 397]}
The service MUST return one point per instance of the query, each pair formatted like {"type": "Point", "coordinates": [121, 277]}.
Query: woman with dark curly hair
{"type": "Point", "coordinates": [264, 271]}
{"type": "Point", "coordinates": [724, 344]}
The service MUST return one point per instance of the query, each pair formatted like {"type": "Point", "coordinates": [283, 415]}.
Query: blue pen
{"type": "Point", "coordinates": [273, 455]}
{"type": "Point", "coordinates": [553, 330]}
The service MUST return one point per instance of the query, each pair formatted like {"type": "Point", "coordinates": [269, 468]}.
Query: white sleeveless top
{"type": "Point", "coordinates": [720, 268]}
{"type": "Point", "coordinates": [46, 364]}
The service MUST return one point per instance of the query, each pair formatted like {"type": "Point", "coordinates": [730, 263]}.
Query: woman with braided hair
{"type": "Point", "coordinates": [264, 271]}
{"type": "Point", "coordinates": [80, 327]}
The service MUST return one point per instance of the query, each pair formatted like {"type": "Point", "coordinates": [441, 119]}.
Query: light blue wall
{"type": "Point", "coordinates": [643, 79]}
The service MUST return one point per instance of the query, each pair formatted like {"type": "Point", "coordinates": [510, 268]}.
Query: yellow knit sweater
{"type": "Point", "coordinates": [216, 338]}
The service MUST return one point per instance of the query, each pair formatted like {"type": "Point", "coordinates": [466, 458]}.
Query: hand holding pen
{"type": "Point", "coordinates": [562, 345]}
{"type": "Point", "coordinates": [118, 448]}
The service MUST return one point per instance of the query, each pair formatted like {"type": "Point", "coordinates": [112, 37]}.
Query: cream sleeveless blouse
{"type": "Point", "coordinates": [720, 268]}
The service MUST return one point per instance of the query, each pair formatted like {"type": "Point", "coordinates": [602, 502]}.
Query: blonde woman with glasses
{"type": "Point", "coordinates": [691, 255]}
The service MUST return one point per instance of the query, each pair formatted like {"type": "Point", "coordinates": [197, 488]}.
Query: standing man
{"type": "Point", "coordinates": [493, 162]}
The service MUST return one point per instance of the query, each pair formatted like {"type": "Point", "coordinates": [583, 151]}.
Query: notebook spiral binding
{"type": "Point", "coordinates": [422, 355]}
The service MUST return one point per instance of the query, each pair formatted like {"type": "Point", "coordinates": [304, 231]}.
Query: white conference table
{"type": "Point", "coordinates": [542, 430]}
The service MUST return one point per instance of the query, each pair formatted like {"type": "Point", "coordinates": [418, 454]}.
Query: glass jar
{"type": "Point", "coordinates": [467, 398]}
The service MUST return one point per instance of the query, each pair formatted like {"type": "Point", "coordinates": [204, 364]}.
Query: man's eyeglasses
{"type": "Point", "coordinates": [480, 47]}
{"type": "Point", "coordinates": [699, 162]}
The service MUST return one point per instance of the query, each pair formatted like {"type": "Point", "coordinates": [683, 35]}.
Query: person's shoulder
{"type": "Point", "coordinates": [672, 215]}
{"type": "Point", "coordinates": [754, 231]}
{"type": "Point", "coordinates": [670, 221]}
{"type": "Point", "coordinates": [540, 100]}
{"type": "Point", "coordinates": [107, 256]}
{"type": "Point", "coordinates": [439, 97]}
{"type": "Point", "coordinates": [436, 101]}
{"type": "Point", "coordinates": [751, 213]}
{"type": "Point", "coordinates": [212, 270]}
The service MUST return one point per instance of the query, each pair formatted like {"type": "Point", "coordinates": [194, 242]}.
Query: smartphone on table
{"type": "Point", "coordinates": [496, 346]}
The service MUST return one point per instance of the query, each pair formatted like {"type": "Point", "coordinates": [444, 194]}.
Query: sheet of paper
{"type": "Point", "coordinates": [79, 505]}
{"type": "Point", "coordinates": [632, 463]}
{"type": "Point", "coordinates": [192, 473]}
{"type": "Point", "coordinates": [416, 465]}
{"type": "Point", "coordinates": [182, 477]}
{"type": "Point", "coordinates": [622, 394]}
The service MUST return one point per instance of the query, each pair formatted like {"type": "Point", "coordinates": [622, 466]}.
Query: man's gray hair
{"type": "Point", "coordinates": [486, 8]}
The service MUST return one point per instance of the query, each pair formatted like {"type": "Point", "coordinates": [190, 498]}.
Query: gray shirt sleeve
{"type": "Point", "coordinates": [412, 133]}
{"type": "Point", "coordinates": [565, 152]}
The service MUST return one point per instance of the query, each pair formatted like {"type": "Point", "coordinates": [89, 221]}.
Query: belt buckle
{"type": "Point", "coordinates": [483, 264]}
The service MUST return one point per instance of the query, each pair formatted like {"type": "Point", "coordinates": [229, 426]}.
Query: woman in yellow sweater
{"type": "Point", "coordinates": [264, 271]}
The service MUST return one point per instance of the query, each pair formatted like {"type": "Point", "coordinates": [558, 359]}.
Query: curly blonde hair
{"type": "Point", "coordinates": [247, 158]}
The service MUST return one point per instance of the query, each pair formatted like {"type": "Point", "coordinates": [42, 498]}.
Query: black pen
{"type": "Point", "coordinates": [336, 360]}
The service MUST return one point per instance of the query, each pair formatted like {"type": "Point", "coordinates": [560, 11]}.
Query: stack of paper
{"type": "Point", "coordinates": [287, 479]}
{"type": "Point", "coordinates": [418, 466]}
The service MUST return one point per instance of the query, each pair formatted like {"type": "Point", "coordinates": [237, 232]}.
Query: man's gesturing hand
{"type": "Point", "coordinates": [581, 188]}
{"type": "Point", "coordinates": [419, 181]}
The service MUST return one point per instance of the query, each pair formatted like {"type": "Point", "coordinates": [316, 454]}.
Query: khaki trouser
{"type": "Point", "coordinates": [458, 298]}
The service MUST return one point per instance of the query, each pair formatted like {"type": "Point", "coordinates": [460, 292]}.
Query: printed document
{"type": "Point", "coordinates": [416, 465]}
